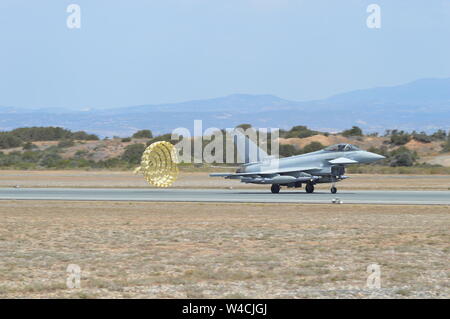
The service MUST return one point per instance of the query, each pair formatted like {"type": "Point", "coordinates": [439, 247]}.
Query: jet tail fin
{"type": "Point", "coordinates": [247, 150]}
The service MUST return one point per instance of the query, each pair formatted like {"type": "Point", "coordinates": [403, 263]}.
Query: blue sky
{"type": "Point", "coordinates": [145, 52]}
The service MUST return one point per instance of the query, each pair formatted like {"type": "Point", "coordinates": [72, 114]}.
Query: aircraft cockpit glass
{"type": "Point", "coordinates": [342, 148]}
{"type": "Point", "coordinates": [332, 148]}
{"type": "Point", "coordinates": [350, 147]}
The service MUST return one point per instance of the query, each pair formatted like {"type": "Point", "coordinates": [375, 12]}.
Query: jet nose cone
{"type": "Point", "coordinates": [376, 157]}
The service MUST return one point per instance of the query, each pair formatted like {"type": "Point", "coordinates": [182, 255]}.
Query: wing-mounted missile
{"type": "Point", "coordinates": [279, 179]}
{"type": "Point", "coordinates": [159, 164]}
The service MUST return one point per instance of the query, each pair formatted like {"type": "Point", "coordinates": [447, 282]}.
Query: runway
{"type": "Point", "coordinates": [225, 195]}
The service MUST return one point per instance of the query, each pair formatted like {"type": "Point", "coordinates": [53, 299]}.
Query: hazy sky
{"type": "Point", "coordinates": [153, 51]}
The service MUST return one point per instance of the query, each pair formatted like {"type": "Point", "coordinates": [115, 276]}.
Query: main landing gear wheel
{"type": "Point", "coordinates": [333, 190]}
{"type": "Point", "coordinates": [309, 188]}
{"type": "Point", "coordinates": [275, 188]}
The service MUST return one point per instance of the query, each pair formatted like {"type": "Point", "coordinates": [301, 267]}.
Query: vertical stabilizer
{"type": "Point", "coordinates": [247, 150]}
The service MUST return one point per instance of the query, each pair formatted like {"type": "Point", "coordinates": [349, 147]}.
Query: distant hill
{"type": "Point", "coordinates": [422, 105]}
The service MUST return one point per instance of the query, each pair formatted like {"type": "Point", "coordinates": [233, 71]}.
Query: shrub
{"type": "Point", "coordinates": [244, 126]}
{"type": "Point", "coordinates": [354, 131]}
{"type": "Point", "coordinates": [31, 134]}
{"type": "Point", "coordinates": [133, 153]}
{"type": "Point", "coordinates": [402, 157]}
{"type": "Point", "coordinates": [446, 145]}
{"type": "Point", "coordinates": [298, 131]}
{"type": "Point", "coordinates": [439, 135]}
{"type": "Point", "coordinates": [50, 160]}
{"type": "Point", "coordinates": [81, 154]}
{"type": "Point", "coordinates": [312, 147]}
{"type": "Point", "coordinates": [143, 134]}
{"type": "Point", "coordinates": [422, 137]}
{"type": "Point", "coordinates": [8, 140]}
{"type": "Point", "coordinates": [29, 146]}
{"type": "Point", "coordinates": [83, 136]}
{"type": "Point", "coordinates": [399, 137]}
{"type": "Point", "coordinates": [287, 150]}
{"type": "Point", "coordinates": [165, 137]}
{"type": "Point", "coordinates": [66, 143]}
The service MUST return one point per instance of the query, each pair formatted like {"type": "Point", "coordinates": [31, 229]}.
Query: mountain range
{"type": "Point", "coordinates": [422, 105]}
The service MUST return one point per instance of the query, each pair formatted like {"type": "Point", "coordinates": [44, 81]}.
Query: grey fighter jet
{"type": "Point", "coordinates": [324, 166]}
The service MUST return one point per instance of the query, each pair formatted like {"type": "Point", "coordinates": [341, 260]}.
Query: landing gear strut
{"type": "Point", "coordinates": [275, 188]}
{"type": "Point", "coordinates": [309, 188]}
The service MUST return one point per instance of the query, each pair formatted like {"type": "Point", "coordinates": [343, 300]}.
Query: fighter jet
{"type": "Point", "coordinates": [324, 166]}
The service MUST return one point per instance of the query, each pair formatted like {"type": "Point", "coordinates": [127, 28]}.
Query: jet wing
{"type": "Point", "coordinates": [343, 160]}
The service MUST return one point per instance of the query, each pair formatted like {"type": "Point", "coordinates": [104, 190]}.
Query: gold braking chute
{"type": "Point", "coordinates": [159, 164]}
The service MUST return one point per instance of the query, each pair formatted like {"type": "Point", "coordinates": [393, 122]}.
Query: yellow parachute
{"type": "Point", "coordinates": [159, 164]}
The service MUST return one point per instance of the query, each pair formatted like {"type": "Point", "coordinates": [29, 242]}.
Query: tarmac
{"type": "Point", "coordinates": [226, 196]}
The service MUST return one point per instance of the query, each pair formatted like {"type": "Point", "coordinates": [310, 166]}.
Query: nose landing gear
{"type": "Point", "coordinates": [333, 188]}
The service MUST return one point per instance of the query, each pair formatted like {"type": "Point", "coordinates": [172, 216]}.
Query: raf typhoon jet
{"type": "Point", "coordinates": [324, 166]}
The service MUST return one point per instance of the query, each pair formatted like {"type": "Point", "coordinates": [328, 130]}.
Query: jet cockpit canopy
{"type": "Point", "coordinates": [342, 148]}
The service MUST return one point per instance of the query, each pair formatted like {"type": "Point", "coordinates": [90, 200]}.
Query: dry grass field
{"type": "Point", "coordinates": [114, 179]}
{"type": "Point", "coordinates": [179, 250]}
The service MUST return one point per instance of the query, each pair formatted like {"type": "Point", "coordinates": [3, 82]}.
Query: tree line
{"type": "Point", "coordinates": [21, 136]}
{"type": "Point", "coordinates": [32, 157]}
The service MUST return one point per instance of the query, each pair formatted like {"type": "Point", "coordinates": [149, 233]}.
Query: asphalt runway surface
{"type": "Point", "coordinates": [226, 195]}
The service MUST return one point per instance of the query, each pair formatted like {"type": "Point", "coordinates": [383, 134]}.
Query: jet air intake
{"type": "Point", "coordinates": [337, 170]}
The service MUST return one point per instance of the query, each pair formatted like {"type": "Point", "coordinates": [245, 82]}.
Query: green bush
{"type": "Point", "coordinates": [33, 134]}
{"type": "Point", "coordinates": [165, 138]}
{"type": "Point", "coordinates": [299, 132]}
{"type": "Point", "coordinates": [287, 150]}
{"type": "Point", "coordinates": [49, 160]}
{"type": "Point", "coordinates": [400, 137]}
{"type": "Point", "coordinates": [402, 157]}
{"type": "Point", "coordinates": [8, 140]}
{"type": "Point", "coordinates": [133, 153]}
{"type": "Point", "coordinates": [29, 134]}
{"type": "Point", "coordinates": [354, 131]}
{"type": "Point", "coordinates": [83, 136]}
{"type": "Point", "coordinates": [422, 137]}
{"type": "Point", "coordinates": [446, 145]}
{"type": "Point", "coordinates": [29, 146]}
{"type": "Point", "coordinates": [143, 134]}
{"type": "Point", "coordinates": [439, 135]}
{"type": "Point", "coordinates": [244, 126]}
{"type": "Point", "coordinates": [66, 143]}
{"type": "Point", "coordinates": [312, 147]}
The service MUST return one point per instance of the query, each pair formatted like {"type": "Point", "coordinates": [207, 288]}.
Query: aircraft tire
{"type": "Point", "coordinates": [309, 188]}
{"type": "Point", "coordinates": [333, 190]}
{"type": "Point", "coordinates": [275, 189]}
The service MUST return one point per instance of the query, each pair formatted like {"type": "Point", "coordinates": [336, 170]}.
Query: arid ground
{"type": "Point", "coordinates": [179, 250]}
